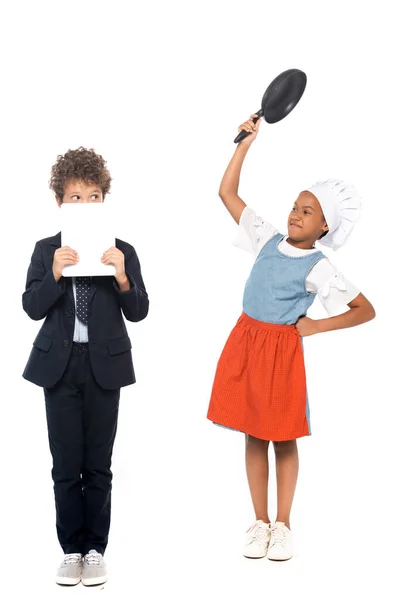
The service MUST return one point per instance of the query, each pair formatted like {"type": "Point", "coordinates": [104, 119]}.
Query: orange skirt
{"type": "Point", "coordinates": [260, 382]}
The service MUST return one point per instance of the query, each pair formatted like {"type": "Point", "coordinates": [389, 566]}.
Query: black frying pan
{"type": "Point", "coordinates": [280, 98]}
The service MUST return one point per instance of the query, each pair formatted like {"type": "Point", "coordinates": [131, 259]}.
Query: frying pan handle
{"type": "Point", "coordinates": [243, 134]}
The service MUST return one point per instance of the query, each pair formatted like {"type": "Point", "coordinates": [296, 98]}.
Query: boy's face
{"type": "Point", "coordinates": [81, 192]}
{"type": "Point", "coordinates": [306, 222]}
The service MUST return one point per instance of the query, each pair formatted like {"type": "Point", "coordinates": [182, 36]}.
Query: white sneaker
{"type": "Point", "coordinates": [281, 544]}
{"type": "Point", "coordinates": [94, 569]}
{"type": "Point", "coordinates": [257, 539]}
{"type": "Point", "coordinates": [70, 570]}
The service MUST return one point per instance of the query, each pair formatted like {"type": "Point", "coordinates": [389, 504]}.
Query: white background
{"type": "Point", "coordinates": [159, 89]}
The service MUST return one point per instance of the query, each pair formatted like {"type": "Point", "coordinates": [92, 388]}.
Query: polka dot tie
{"type": "Point", "coordinates": [82, 298]}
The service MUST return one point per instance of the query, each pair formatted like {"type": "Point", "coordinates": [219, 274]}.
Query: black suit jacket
{"type": "Point", "coordinates": [109, 343]}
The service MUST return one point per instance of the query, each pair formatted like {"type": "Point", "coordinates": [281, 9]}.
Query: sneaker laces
{"type": "Point", "coordinates": [278, 535]}
{"type": "Point", "coordinates": [70, 559]}
{"type": "Point", "coordinates": [257, 532]}
{"type": "Point", "coordinates": [93, 559]}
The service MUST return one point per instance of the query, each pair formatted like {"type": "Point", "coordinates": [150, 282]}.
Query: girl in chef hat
{"type": "Point", "coordinates": [260, 382]}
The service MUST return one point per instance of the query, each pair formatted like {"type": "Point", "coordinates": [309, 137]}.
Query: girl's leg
{"type": "Point", "coordinates": [257, 475]}
{"type": "Point", "coordinates": [287, 469]}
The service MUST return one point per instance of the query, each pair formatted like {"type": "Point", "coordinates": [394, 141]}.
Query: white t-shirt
{"type": "Point", "coordinates": [334, 291]}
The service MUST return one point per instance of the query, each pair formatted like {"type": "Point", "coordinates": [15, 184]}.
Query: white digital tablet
{"type": "Point", "coordinates": [88, 229]}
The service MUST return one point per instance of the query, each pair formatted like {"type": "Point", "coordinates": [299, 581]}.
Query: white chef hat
{"type": "Point", "coordinates": [341, 206]}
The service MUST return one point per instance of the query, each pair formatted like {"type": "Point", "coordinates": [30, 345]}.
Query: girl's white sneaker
{"type": "Point", "coordinates": [281, 543]}
{"type": "Point", "coordinates": [257, 540]}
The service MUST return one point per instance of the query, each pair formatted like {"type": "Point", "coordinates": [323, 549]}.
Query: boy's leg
{"type": "Point", "coordinates": [287, 469]}
{"type": "Point", "coordinates": [64, 423]}
{"type": "Point", "coordinates": [100, 417]}
{"type": "Point", "coordinates": [257, 475]}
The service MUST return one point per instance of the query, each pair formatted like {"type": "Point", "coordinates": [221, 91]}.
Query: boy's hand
{"type": "Point", "coordinates": [115, 257]}
{"type": "Point", "coordinates": [62, 257]}
{"type": "Point", "coordinates": [306, 326]}
{"type": "Point", "coordinates": [252, 128]}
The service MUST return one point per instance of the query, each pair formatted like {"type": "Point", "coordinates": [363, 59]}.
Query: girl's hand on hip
{"type": "Point", "coordinates": [306, 326]}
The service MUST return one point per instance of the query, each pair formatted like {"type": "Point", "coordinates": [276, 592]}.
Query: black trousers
{"type": "Point", "coordinates": [82, 423]}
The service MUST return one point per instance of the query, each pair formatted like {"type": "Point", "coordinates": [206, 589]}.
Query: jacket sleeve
{"type": "Point", "coordinates": [134, 302]}
{"type": "Point", "coordinates": [41, 290]}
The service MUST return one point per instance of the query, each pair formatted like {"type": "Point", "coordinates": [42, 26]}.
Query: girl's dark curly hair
{"type": "Point", "coordinates": [81, 164]}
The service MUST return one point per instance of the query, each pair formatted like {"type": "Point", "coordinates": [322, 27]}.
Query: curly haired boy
{"type": "Point", "coordinates": [82, 357]}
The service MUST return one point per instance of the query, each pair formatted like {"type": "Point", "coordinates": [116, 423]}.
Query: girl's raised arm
{"type": "Point", "coordinates": [228, 190]}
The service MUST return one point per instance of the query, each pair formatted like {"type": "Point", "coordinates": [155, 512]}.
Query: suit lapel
{"type": "Point", "coordinates": [56, 240]}
{"type": "Point", "coordinates": [93, 289]}
{"type": "Point", "coordinates": [70, 291]}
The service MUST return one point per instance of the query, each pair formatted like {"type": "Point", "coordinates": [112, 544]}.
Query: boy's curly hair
{"type": "Point", "coordinates": [82, 164]}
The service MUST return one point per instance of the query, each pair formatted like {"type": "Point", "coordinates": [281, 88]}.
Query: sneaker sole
{"type": "Point", "coordinates": [94, 581]}
{"type": "Point", "coordinates": [68, 580]}
{"type": "Point", "coordinates": [280, 559]}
